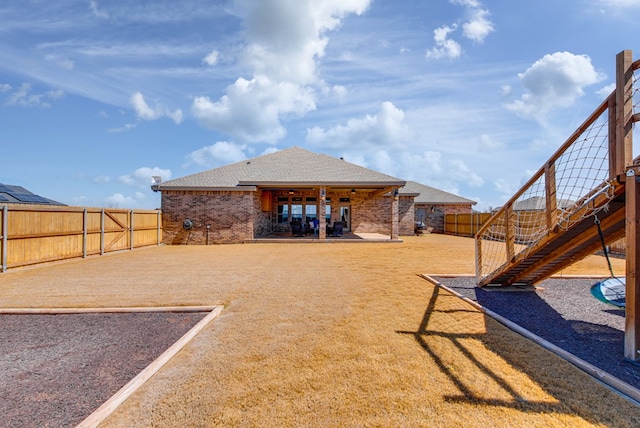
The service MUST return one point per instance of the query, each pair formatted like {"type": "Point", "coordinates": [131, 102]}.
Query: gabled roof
{"type": "Point", "coordinates": [539, 203]}
{"type": "Point", "coordinates": [431, 195]}
{"type": "Point", "coordinates": [10, 194]}
{"type": "Point", "coordinates": [286, 168]}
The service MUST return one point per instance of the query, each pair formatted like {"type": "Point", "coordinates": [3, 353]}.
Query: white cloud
{"type": "Point", "coordinates": [285, 39]}
{"type": "Point", "coordinates": [385, 129]}
{"type": "Point", "coordinates": [460, 171]}
{"type": "Point", "coordinates": [468, 3]}
{"type": "Point", "coordinates": [102, 179]}
{"type": "Point", "coordinates": [269, 150]}
{"type": "Point", "coordinates": [60, 61]}
{"type": "Point", "coordinates": [23, 97]}
{"type": "Point", "coordinates": [506, 188]}
{"type": "Point", "coordinates": [55, 94]}
{"type": "Point", "coordinates": [555, 81]}
{"type": "Point", "coordinates": [219, 153]}
{"type": "Point", "coordinates": [5, 87]}
{"type": "Point", "coordinates": [125, 127]}
{"type": "Point", "coordinates": [118, 200]}
{"type": "Point", "coordinates": [489, 144]}
{"type": "Point", "coordinates": [251, 109]}
{"type": "Point", "coordinates": [607, 90]}
{"type": "Point", "coordinates": [93, 6]}
{"type": "Point", "coordinates": [445, 47]}
{"type": "Point", "coordinates": [145, 112]}
{"type": "Point", "coordinates": [476, 28]}
{"type": "Point", "coordinates": [479, 27]}
{"type": "Point", "coordinates": [621, 3]}
{"type": "Point", "coordinates": [435, 169]}
{"type": "Point", "coordinates": [212, 58]}
{"type": "Point", "coordinates": [79, 200]}
{"type": "Point", "coordinates": [141, 177]}
{"type": "Point", "coordinates": [335, 90]}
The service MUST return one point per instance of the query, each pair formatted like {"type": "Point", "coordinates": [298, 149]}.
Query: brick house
{"type": "Point", "coordinates": [257, 197]}
{"type": "Point", "coordinates": [431, 204]}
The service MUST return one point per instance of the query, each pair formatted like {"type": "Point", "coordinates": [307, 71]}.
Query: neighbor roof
{"type": "Point", "coordinates": [10, 194]}
{"type": "Point", "coordinates": [286, 168]}
{"type": "Point", "coordinates": [430, 195]}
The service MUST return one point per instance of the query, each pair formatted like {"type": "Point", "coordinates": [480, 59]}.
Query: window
{"type": "Point", "coordinates": [422, 215]}
{"type": "Point", "coordinates": [327, 214]}
{"type": "Point", "coordinates": [296, 212]}
{"type": "Point", "coordinates": [310, 211]}
{"type": "Point", "coordinates": [283, 213]}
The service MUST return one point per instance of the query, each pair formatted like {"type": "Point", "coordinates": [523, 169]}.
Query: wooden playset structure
{"type": "Point", "coordinates": [589, 185]}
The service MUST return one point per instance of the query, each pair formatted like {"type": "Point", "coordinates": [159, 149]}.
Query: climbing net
{"type": "Point", "coordinates": [573, 186]}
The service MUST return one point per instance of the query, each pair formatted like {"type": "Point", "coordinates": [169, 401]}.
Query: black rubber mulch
{"type": "Point", "coordinates": [565, 313]}
{"type": "Point", "coordinates": [57, 369]}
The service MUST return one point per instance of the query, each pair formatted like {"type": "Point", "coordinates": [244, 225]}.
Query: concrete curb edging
{"type": "Point", "coordinates": [109, 406]}
{"type": "Point", "coordinates": [114, 310]}
{"type": "Point", "coordinates": [627, 391]}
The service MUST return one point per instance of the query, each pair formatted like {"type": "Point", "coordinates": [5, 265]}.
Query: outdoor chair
{"type": "Point", "coordinates": [296, 228]}
{"type": "Point", "coordinates": [337, 228]}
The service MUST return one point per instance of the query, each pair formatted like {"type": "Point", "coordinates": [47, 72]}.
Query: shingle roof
{"type": "Point", "coordinates": [431, 195]}
{"type": "Point", "coordinates": [290, 167]}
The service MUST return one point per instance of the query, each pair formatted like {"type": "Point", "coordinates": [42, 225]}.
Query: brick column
{"type": "Point", "coordinates": [322, 206]}
{"type": "Point", "coordinates": [394, 215]}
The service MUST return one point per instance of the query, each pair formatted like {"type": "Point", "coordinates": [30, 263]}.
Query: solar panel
{"type": "Point", "coordinates": [10, 193]}
{"type": "Point", "coordinates": [22, 197]}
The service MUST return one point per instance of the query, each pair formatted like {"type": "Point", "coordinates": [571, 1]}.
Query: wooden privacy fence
{"type": "Point", "coordinates": [38, 234]}
{"type": "Point", "coordinates": [464, 224]}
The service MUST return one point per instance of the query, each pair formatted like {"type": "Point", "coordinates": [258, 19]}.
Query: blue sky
{"type": "Point", "coordinates": [464, 95]}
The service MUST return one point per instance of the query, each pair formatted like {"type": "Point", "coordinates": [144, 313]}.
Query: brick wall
{"type": "Point", "coordinates": [373, 215]}
{"type": "Point", "coordinates": [236, 217]}
{"type": "Point", "coordinates": [435, 214]}
{"type": "Point", "coordinates": [407, 215]}
{"type": "Point", "coordinates": [230, 215]}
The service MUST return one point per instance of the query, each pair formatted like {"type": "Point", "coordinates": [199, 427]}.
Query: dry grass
{"type": "Point", "coordinates": [329, 335]}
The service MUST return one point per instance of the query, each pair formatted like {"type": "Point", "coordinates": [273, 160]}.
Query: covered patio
{"type": "Point", "coordinates": [288, 237]}
{"type": "Point", "coordinates": [290, 194]}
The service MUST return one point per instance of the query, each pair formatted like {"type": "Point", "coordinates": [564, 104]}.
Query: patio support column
{"type": "Point", "coordinates": [394, 215]}
{"type": "Point", "coordinates": [322, 207]}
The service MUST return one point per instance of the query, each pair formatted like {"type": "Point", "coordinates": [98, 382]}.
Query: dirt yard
{"type": "Point", "coordinates": [339, 334]}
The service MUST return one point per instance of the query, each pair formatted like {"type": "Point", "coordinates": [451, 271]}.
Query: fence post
{"type": "Point", "coordinates": [131, 231]}
{"type": "Point", "coordinates": [624, 111]}
{"type": "Point", "coordinates": [510, 231]}
{"type": "Point", "coordinates": [624, 158]}
{"type": "Point", "coordinates": [84, 233]}
{"type": "Point", "coordinates": [551, 202]}
{"type": "Point", "coordinates": [159, 229]}
{"type": "Point", "coordinates": [102, 232]}
{"type": "Point", "coordinates": [5, 236]}
{"type": "Point", "coordinates": [456, 223]}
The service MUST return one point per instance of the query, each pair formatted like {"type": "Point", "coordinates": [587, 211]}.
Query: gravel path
{"type": "Point", "coordinates": [57, 369]}
{"type": "Point", "coordinates": [564, 312]}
